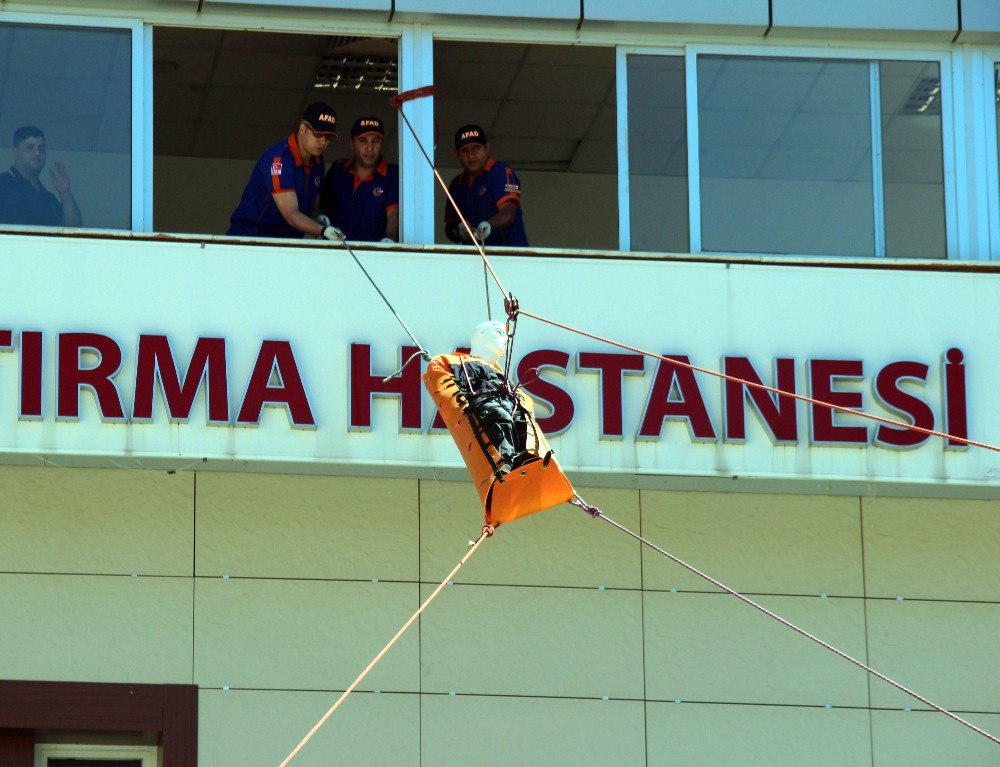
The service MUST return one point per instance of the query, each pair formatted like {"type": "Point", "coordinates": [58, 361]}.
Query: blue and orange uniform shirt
{"type": "Point", "coordinates": [280, 170]}
{"type": "Point", "coordinates": [358, 207]}
{"type": "Point", "coordinates": [479, 198]}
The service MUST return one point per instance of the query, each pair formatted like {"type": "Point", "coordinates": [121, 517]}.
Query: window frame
{"type": "Point", "coordinates": [952, 124]}
{"type": "Point", "coordinates": [44, 751]}
{"type": "Point", "coordinates": [990, 62]}
{"type": "Point", "coordinates": [141, 160]}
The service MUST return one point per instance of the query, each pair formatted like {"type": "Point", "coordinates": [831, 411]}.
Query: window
{"type": "Point", "coordinates": [836, 157]}
{"type": "Point", "coordinates": [44, 723]}
{"type": "Point", "coordinates": [66, 114]}
{"type": "Point", "coordinates": [94, 756]}
{"type": "Point", "coordinates": [657, 154]}
{"type": "Point", "coordinates": [549, 113]}
{"type": "Point", "coordinates": [222, 97]}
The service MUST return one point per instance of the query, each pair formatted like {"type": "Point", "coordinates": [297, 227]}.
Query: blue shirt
{"type": "Point", "coordinates": [479, 198]}
{"type": "Point", "coordinates": [279, 170]}
{"type": "Point", "coordinates": [358, 207]}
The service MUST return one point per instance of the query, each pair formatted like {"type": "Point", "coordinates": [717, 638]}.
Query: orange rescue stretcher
{"type": "Point", "coordinates": [508, 492]}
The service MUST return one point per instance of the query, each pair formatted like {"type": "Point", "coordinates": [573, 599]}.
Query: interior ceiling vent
{"type": "Point", "coordinates": [924, 98]}
{"type": "Point", "coordinates": [343, 67]}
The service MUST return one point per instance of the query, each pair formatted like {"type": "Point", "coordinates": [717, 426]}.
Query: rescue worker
{"type": "Point", "coordinates": [279, 197]}
{"type": "Point", "coordinates": [487, 192]}
{"type": "Point", "coordinates": [360, 194]}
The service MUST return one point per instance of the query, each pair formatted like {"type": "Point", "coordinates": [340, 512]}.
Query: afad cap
{"type": "Point", "coordinates": [469, 134]}
{"type": "Point", "coordinates": [370, 124]}
{"type": "Point", "coordinates": [321, 118]}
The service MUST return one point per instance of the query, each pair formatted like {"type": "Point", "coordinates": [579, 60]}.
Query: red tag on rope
{"type": "Point", "coordinates": [416, 93]}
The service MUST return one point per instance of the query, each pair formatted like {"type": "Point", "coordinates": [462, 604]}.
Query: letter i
{"type": "Point", "coordinates": [955, 416]}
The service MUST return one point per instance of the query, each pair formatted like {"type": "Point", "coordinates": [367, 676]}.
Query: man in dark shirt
{"type": "Point", "coordinates": [487, 192]}
{"type": "Point", "coordinates": [23, 199]}
{"type": "Point", "coordinates": [360, 194]}
{"type": "Point", "coordinates": [284, 184]}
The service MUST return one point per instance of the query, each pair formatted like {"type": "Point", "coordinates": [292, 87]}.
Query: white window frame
{"type": "Point", "coordinates": [45, 751]}
{"type": "Point", "coordinates": [991, 59]}
{"type": "Point", "coordinates": [142, 99]}
{"type": "Point", "coordinates": [952, 124]}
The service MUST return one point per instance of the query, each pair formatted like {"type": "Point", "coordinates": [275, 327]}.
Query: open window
{"type": "Point", "coordinates": [222, 97]}
{"type": "Point", "coordinates": [549, 113]}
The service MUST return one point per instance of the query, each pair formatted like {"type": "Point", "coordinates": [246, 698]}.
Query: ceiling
{"type": "Point", "coordinates": [229, 94]}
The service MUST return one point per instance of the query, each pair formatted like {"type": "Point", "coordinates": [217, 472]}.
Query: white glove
{"type": "Point", "coordinates": [387, 241]}
{"type": "Point", "coordinates": [483, 231]}
{"type": "Point", "coordinates": [333, 233]}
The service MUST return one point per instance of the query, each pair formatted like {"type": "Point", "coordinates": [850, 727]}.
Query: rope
{"type": "Point", "coordinates": [487, 532]}
{"type": "Point", "coordinates": [486, 284]}
{"type": "Point", "coordinates": [596, 513]}
{"type": "Point", "coordinates": [762, 387]}
{"type": "Point", "coordinates": [479, 248]}
{"type": "Point", "coordinates": [423, 350]}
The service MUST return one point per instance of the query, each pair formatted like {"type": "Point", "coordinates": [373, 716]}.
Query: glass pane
{"type": "Point", "coordinates": [66, 113]}
{"type": "Point", "coordinates": [912, 159]}
{"type": "Point", "coordinates": [785, 153]}
{"type": "Point", "coordinates": [657, 153]}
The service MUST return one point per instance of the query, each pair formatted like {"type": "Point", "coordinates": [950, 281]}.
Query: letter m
{"type": "Point", "coordinates": [155, 361]}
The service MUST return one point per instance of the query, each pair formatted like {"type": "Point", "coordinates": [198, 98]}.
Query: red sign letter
{"type": "Point", "coordinates": [777, 412]}
{"type": "Point", "coordinates": [612, 368]}
{"type": "Point", "coordinates": [30, 406]}
{"type": "Point", "coordinates": [155, 360]}
{"type": "Point", "coordinates": [956, 419]}
{"type": "Point", "coordinates": [98, 378]}
{"type": "Point", "coordinates": [276, 357]}
{"type": "Point", "coordinates": [364, 386]}
{"type": "Point", "coordinates": [690, 406]}
{"type": "Point", "coordinates": [919, 412]}
{"type": "Point", "coordinates": [529, 373]}
{"type": "Point", "coordinates": [821, 375]}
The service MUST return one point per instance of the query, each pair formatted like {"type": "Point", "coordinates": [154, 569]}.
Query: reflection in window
{"type": "Point", "coordinates": [785, 155]}
{"type": "Point", "coordinates": [785, 151]}
{"type": "Point", "coordinates": [657, 154]}
{"type": "Point", "coordinates": [66, 119]}
{"type": "Point", "coordinates": [912, 162]}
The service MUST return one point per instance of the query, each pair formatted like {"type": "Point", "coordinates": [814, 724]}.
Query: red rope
{"type": "Point", "coordinates": [763, 387]}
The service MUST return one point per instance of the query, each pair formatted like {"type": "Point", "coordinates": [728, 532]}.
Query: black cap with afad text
{"type": "Point", "coordinates": [365, 125]}
{"type": "Point", "coordinates": [321, 118]}
{"type": "Point", "coordinates": [470, 134]}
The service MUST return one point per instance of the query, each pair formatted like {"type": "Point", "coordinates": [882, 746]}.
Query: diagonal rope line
{"type": "Point", "coordinates": [444, 186]}
{"type": "Point", "coordinates": [597, 513]}
{"type": "Point", "coordinates": [485, 534]}
{"type": "Point", "coordinates": [762, 387]}
{"type": "Point", "coordinates": [423, 349]}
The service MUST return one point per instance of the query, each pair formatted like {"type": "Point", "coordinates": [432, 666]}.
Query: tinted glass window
{"type": "Point", "coordinates": [65, 124]}
{"type": "Point", "coordinates": [785, 156]}
{"type": "Point", "coordinates": [657, 154]}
